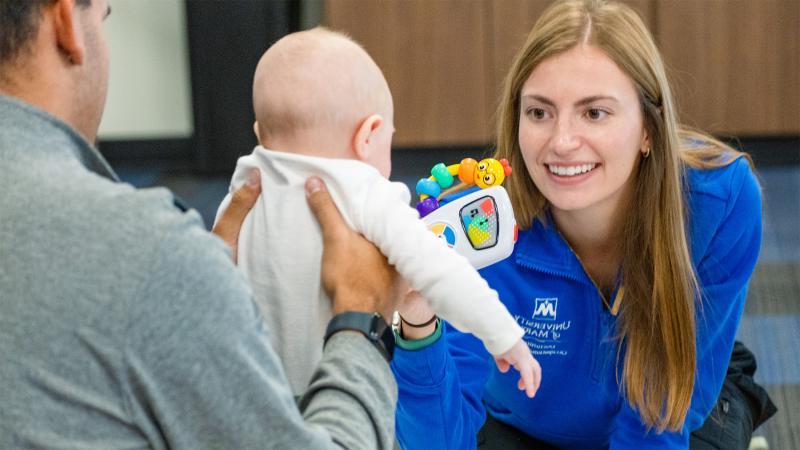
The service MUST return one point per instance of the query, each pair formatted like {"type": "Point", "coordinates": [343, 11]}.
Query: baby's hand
{"type": "Point", "coordinates": [530, 372]}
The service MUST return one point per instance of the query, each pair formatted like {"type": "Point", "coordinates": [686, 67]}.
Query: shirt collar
{"type": "Point", "coordinates": [29, 123]}
{"type": "Point", "coordinates": [542, 247]}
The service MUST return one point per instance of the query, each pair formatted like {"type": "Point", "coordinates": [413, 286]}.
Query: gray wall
{"type": "Point", "coordinates": [149, 90]}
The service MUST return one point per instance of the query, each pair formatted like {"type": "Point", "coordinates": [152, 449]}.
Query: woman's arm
{"type": "Point", "coordinates": [440, 390]}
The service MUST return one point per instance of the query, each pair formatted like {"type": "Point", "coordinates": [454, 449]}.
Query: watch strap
{"type": "Point", "coordinates": [371, 325]}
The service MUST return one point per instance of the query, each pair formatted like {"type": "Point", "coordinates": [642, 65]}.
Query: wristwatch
{"type": "Point", "coordinates": [371, 325]}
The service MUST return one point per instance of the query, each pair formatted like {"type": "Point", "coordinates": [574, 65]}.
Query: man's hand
{"type": "Point", "coordinates": [229, 224]}
{"type": "Point", "coordinates": [355, 275]}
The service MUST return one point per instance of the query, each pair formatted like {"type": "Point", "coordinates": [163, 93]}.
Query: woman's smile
{"type": "Point", "coordinates": [570, 173]}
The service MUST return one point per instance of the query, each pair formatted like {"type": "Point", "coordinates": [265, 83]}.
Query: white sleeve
{"type": "Point", "coordinates": [453, 288]}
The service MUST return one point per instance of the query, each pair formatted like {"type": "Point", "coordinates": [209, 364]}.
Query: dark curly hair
{"type": "Point", "coordinates": [18, 24]}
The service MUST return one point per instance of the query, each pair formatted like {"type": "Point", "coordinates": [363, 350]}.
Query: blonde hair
{"type": "Point", "coordinates": [656, 324]}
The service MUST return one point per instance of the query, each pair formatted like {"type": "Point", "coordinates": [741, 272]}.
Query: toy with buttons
{"type": "Point", "coordinates": [480, 221]}
{"type": "Point", "coordinates": [484, 174]}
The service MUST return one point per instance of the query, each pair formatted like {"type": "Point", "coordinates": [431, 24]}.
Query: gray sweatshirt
{"type": "Point", "coordinates": [124, 324]}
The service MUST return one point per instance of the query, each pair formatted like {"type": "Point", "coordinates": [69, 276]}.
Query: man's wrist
{"type": "Point", "coordinates": [372, 325]}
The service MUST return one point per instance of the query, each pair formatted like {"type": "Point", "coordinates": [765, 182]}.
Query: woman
{"type": "Point", "coordinates": [629, 276]}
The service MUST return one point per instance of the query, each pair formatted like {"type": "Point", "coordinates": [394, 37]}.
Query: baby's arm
{"type": "Point", "coordinates": [530, 372]}
{"type": "Point", "coordinates": [451, 285]}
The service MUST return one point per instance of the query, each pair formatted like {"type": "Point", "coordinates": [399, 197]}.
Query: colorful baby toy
{"type": "Point", "coordinates": [487, 230]}
{"type": "Point", "coordinates": [484, 174]}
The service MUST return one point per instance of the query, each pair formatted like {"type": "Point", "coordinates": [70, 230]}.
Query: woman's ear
{"type": "Point", "coordinates": [364, 135]}
{"type": "Point", "coordinates": [646, 145]}
{"type": "Point", "coordinates": [68, 36]}
{"type": "Point", "coordinates": [255, 130]}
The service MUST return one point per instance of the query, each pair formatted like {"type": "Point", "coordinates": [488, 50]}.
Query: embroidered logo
{"type": "Point", "coordinates": [545, 308]}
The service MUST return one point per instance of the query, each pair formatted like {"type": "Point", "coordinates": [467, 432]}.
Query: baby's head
{"type": "Point", "coordinates": [319, 93]}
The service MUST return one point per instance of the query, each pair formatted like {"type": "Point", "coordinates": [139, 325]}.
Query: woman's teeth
{"type": "Point", "coordinates": [568, 171]}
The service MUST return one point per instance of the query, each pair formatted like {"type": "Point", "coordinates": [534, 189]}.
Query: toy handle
{"type": "Point", "coordinates": [486, 173]}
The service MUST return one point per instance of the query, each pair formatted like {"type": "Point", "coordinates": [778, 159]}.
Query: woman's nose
{"type": "Point", "coordinates": [565, 139]}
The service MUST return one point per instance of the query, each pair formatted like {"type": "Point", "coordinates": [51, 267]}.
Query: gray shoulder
{"type": "Point", "coordinates": [186, 274]}
{"type": "Point", "coordinates": [137, 239]}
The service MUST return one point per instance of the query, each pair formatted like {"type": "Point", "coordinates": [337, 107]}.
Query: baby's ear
{"type": "Point", "coordinates": [364, 136]}
{"type": "Point", "coordinates": [255, 130]}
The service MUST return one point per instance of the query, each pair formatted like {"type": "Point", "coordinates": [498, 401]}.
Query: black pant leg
{"type": "Point", "coordinates": [496, 435]}
{"type": "Point", "coordinates": [742, 406]}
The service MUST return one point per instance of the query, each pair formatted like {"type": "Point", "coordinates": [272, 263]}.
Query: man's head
{"type": "Point", "coordinates": [319, 93]}
{"type": "Point", "coordinates": [19, 20]}
{"type": "Point", "coordinates": [53, 55]}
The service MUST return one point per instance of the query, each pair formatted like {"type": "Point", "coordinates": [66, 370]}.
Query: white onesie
{"type": "Point", "coordinates": [280, 249]}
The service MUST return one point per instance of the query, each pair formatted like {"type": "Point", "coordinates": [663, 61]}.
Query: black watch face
{"type": "Point", "coordinates": [382, 335]}
{"type": "Point", "coordinates": [372, 326]}
{"type": "Point", "coordinates": [378, 324]}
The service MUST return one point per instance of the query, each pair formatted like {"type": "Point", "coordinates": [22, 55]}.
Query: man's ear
{"type": "Point", "coordinates": [68, 35]}
{"type": "Point", "coordinates": [364, 135]}
{"type": "Point", "coordinates": [255, 130]}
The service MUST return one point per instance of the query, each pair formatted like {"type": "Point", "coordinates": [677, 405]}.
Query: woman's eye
{"type": "Point", "coordinates": [537, 113]}
{"type": "Point", "coordinates": [595, 113]}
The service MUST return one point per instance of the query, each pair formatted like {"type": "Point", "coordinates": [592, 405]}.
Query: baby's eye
{"type": "Point", "coordinates": [596, 113]}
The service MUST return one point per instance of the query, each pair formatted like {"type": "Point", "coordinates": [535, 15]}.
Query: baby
{"type": "Point", "coordinates": [323, 107]}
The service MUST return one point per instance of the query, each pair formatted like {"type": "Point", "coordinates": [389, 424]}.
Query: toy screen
{"type": "Point", "coordinates": [479, 219]}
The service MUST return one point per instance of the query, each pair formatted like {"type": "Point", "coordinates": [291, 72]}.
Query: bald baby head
{"type": "Point", "coordinates": [318, 86]}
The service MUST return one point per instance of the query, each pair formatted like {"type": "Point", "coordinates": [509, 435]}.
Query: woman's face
{"type": "Point", "coordinates": [580, 130]}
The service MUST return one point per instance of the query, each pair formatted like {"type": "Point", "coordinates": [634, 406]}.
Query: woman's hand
{"type": "Point", "coordinates": [415, 310]}
{"type": "Point", "coordinates": [229, 224]}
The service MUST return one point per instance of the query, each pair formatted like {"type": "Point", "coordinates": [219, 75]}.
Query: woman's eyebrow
{"type": "Point", "coordinates": [540, 98]}
{"type": "Point", "coordinates": [595, 98]}
{"type": "Point", "coordinates": [581, 102]}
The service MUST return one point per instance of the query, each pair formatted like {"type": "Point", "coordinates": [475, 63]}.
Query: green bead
{"type": "Point", "coordinates": [442, 175]}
